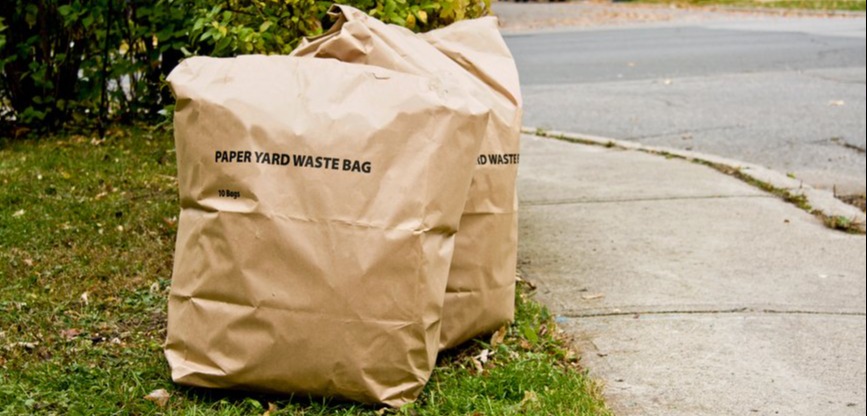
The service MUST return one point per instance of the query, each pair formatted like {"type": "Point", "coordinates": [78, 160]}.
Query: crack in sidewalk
{"type": "Point", "coordinates": [745, 309]}
{"type": "Point", "coordinates": [689, 132]}
{"type": "Point", "coordinates": [832, 79]}
{"type": "Point", "coordinates": [847, 145]}
{"type": "Point", "coordinates": [647, 199]}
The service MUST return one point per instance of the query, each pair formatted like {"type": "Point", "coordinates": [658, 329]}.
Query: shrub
{"type": "Point", "coordinates": [53, 59]}
{"type": "Point", "coordinates": [60, 60]}
{"type": "Point", "coordinates": [41, 58]}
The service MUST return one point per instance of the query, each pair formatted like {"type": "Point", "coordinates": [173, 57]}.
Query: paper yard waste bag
{"type": "Point", "coordinates": [319, 202]}
{"type": "Point", "coordinates": [481, 287]}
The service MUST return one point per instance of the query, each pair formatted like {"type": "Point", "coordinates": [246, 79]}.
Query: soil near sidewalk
{"type": "Point", "coordinates": [856, 200]}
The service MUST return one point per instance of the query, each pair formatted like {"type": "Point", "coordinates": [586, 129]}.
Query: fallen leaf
{"type": "Point", "coordinates": [498, 337]}
{"type": "Point", "coordinates": [170, 221]}
{"type": "Point", "coordinates": [483, 356]}
{"type": "Point", "coordinates": [593, 296]}
{"type": "Point", "coordinates": [160, 397]}
{"type": "Point", "coordinates": [26, 345]}
{"type": "Point", "coordinates": [519, 279]}
{"type": "Point", "coordinates": [529, 397]}
{"type": "Point", "coordinates": [70, 334]}
{"type": "Point", "coordinates": [478, 365]}
{"type": "Point", "coordinates": [272, 408]}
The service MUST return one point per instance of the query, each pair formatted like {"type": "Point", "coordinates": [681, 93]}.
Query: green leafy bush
{"type": "Point", "coordinates": [53, 68]}
{"type": "Point", "coordinates": [63, 61]}
{"type": "Point", "coordinates": [40, 65]}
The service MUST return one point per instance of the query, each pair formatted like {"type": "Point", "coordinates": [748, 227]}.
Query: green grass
{"type": "Point", "coordinates": [845, 5]}
{"type": "Point", "coordinates": [87, 233]}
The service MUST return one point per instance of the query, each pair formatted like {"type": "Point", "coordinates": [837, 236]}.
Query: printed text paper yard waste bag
{"type": "Point", "coordinates": [319, 205]}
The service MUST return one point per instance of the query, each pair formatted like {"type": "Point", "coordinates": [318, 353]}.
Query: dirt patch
{"type": "Point", "coordinates": [856, 200]}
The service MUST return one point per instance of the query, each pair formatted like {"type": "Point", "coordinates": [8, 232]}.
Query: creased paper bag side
{"type": "Point", "coordinates": [319, 204]}
{"type": "Point", "coordinates": [480, 294]}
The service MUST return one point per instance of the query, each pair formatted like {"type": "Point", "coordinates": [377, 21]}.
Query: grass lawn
{"type": "Point", "coordinates": [850, 5]}
{"type": "Point", "coordinates": [87, 231]}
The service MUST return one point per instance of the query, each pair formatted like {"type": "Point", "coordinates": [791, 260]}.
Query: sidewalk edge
{"type": "Point", "coordinates": [835, 213]}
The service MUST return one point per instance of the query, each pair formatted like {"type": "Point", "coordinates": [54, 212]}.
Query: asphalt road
{"type": "Point", "coordinates": [787, 93]}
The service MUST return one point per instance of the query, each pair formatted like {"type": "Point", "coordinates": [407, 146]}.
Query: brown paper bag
{"type": "Point", "coordinates": [481, 286]}
{"type": "Point", "coordinates": [319, 202]}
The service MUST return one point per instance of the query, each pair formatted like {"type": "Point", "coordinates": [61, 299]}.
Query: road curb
{"type": "Point", "coordinates": [819, 202]}
{"type": "Point", "coordinates": [789, 12]}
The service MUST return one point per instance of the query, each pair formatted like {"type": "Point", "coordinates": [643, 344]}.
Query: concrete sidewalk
{"type": "Point", "coordinates": [690, 292]}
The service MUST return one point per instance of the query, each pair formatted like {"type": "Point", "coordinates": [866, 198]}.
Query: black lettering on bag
{"type": "Point", "coordinates": [230, 156]}
{"type": "Point", "coordinates": [499, 159]}
{"type": "Point", "coordinates": [350, 165]}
